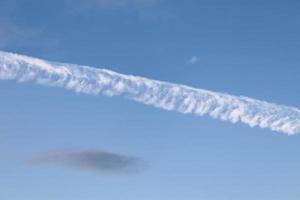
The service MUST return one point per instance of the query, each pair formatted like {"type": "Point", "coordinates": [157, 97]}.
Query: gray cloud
{"type": "Point", "coordinates": [91, 160]}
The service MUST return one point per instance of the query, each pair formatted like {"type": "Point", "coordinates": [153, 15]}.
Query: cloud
{"type": "Point", "coordinates": [193, 60]}
{"type": "Point", "coordinates": [137, 5]}
{"type": "Point", "coordinates": [92, 160]}
{"type": "Point", "coordinates": [143, 9]}
{"type": "Point", "coordinates": [14, 34]}
{"type": "Point", "coordinates": [164, 95]}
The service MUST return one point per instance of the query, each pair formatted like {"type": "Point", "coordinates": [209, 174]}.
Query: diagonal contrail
{"type": "Point", "coordinates": [160, 94]}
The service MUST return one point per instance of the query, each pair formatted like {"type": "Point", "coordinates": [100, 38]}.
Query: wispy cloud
{"type": "Point", "coordinates": [193, 60]}
{"type": "Point", "coordinates": [12, 34]}
{"type": "Point", "coordinates": [139, 6]}
{"type": "Point", "coordinates": [160, 94]}
{"type": "Point", "coordinates": [17, 32]}
{"type": "Point", "coordinates": [92, 160]}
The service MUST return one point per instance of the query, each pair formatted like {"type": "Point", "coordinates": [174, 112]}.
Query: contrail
{"type": "Point", "coordinates": [168, 96]}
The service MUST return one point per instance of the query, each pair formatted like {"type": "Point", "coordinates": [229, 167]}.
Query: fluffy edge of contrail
{"type": "Point", "coordinates": [168, 96]}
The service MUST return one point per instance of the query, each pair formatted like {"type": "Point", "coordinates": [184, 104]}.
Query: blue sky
{"type": "Point", "coordinates": [242, 47]}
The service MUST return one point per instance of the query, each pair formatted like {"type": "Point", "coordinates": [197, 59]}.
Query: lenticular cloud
{"type": "Point", "coordinates": [168, 96]}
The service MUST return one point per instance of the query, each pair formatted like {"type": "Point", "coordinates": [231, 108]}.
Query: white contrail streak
{"type": "Point", "coordinates": [160, 94]}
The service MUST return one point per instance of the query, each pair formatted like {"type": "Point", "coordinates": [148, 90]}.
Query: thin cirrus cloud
{"type": "Point", "coordinates": [12, 34]}
{"type": "Point", "coordinates": [16, 34]}
{"type": "Point", "coordinates": [138, 5]}
{"type": "Point", "coordinates": [164, 95]}
{"type": "Point", "coordinates": [91, 160]}
{"type": "Point", "coordinates": [144, 9]}
{"type": "Point", "coordinates": [193, 60]}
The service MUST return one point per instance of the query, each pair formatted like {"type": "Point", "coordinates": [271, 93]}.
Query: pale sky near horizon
{"type": "Point", "coordinates": [248, 48]}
